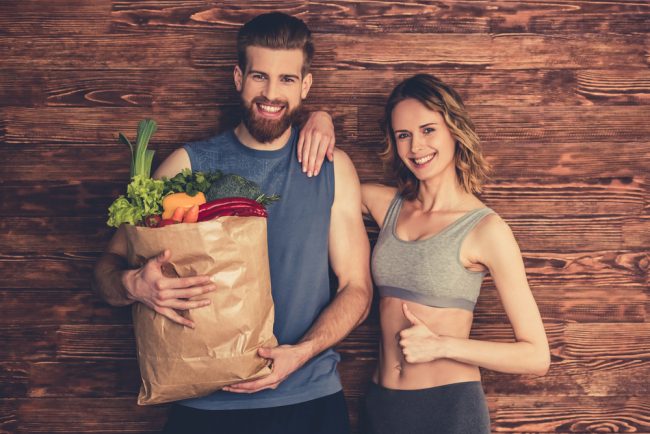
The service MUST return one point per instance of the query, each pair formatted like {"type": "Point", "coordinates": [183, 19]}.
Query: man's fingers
{"type": "Point", "coordinates": [184, 304]}
{"type": "Point", "coordinates": [234, 390]}
{"type": "Point", "coordinates": [164, 256]}
{"type": "Point", "coordinates": [169, 294]}
{"type": "Point", "coordinates": [267, 353]}
{"type": "Point", "coordinates": [174, 316]}
{"type": "Point", "coordinates": [189, 282]}
{"type": "Point", "coordinates": [255, 385]}
{"type": "Point", "coordinates": [182, 282]}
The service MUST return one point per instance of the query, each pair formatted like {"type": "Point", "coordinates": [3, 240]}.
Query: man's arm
{"type": "Point", "coordinates": [120, 286]}
{"type": "Point", "coordinates": [349, 252]}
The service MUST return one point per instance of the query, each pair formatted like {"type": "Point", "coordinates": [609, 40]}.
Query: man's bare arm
{"type": "Point", "coordinates": [349, 252]}
{"type": "Point", "coordinates": [120, 286]}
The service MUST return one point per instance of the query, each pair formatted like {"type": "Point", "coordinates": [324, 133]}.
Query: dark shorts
{"type": "Point", "coordinates": [326, 415]}
{"type": "Point", "coordinates": [458, 408]}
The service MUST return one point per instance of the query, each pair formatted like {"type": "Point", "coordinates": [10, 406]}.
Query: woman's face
{"type": "Point", "coordinates": [424, 142]}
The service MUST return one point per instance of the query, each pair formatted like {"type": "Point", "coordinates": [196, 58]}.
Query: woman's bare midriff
{"type": "Point", "coordinates": [394, 372]}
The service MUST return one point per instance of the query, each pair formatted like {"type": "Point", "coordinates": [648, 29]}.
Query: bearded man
{"type": "Point", "coordinates": [316, 222]}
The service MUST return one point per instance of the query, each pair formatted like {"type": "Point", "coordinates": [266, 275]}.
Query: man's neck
{"type": "Point", "coordinates": [249, 141]}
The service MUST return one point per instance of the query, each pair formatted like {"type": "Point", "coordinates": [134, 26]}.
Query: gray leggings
{"type": "Point", "coordinates": [458, 408]}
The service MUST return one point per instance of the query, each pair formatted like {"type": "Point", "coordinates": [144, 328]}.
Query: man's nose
{"type": "Point", "coordinates": [270, 90]}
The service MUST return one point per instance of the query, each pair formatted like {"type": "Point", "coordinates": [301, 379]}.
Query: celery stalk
{"type": "Point", "coordinates": [141, 158]}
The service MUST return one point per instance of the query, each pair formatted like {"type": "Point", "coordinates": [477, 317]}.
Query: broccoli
{"type": "Point", "coordinates": [231, 185]}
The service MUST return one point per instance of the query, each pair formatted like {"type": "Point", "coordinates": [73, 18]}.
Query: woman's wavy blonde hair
{"type": "Point", "coordinates": [471, 167]}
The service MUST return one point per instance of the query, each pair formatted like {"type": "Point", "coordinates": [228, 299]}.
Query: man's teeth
{"type": "Point", "coordinates": [269, 108]}
{"type": "Point", "coordinates": [424, 159]}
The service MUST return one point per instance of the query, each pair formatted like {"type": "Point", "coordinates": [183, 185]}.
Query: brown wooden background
{"type": "Point", "coordinates": [560, 92]}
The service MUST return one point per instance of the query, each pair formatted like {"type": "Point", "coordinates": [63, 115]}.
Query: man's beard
{"type": "Point", "coordinates": [267, 130]}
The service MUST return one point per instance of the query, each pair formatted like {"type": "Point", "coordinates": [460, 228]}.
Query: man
{"type": "Point", "coordinates": [315, 218]}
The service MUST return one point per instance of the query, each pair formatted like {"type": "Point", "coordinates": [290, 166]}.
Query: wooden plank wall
{"type": "Point", "coordinates": [561, 95]}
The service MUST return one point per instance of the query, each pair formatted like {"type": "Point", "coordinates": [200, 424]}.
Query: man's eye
{"type": "Point", "coordinates": [288, 79]}
{"type": "Point", "coordinates": [258, 77]}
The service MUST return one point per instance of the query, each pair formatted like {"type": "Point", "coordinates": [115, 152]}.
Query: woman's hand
{"type": "Point", "coordinates": [419, 344]}
{"type": "Point", "coordinates": [315, 141]}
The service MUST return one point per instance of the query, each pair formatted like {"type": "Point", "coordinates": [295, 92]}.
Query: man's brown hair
{"type": "Point", "coordinates": [277, 31]}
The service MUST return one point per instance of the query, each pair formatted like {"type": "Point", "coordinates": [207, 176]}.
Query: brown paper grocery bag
{"type": "Point", "coordinates": [177, 362]}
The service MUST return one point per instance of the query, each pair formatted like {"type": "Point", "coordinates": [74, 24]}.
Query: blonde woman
{"type": "Point", "coordinates": [437, 243]}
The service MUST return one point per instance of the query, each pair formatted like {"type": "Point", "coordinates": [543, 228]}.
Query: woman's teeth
{"type": "Point", "coordinates": [423, 160]}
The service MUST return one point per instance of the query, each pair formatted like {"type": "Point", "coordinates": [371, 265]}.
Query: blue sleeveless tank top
{"type": "Point", "coordinates": [427, 271]}
{"type": "Point", "coordinates": [298, 229]}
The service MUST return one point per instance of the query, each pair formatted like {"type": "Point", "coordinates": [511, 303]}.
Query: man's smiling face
{"type": "Point", "coordinates": [271, 89]}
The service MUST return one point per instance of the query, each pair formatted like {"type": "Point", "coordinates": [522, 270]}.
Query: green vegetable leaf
{"type": "Point", "coordinates": [126, 141]}
{"type": "Point", "coordinates": [143, 197]}
{"type": "Point", "coordinates": [141, 158]}
{"type": "Point", "coordinates": [190, 182]}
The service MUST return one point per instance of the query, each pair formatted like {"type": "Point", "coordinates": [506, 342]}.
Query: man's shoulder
{"type": "Point", "coordinates": [342, 160]}
{"type": "Point", "coordinates": [343, 166]}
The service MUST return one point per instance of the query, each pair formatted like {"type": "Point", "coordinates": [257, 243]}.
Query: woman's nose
{"type": "Point", "coordinates": [416, 144]}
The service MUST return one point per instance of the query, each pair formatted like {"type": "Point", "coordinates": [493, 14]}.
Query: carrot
{"type": "Point", "coordinates": [178, 214]}
{"type": "Point", "coordinates": [191, 215]}
{"type": "Point", "coordinates": [175, 200]}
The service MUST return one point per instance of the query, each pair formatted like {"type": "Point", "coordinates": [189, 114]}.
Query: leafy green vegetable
{"type": "Point", "coordinates": [231, 185]}
{"type": "Point", "coordinates": [141, 164]}
{"type": "Point", "coordinates": [141, 158]}
{"type": "Point", "coordinates": [143, 194]}
{"type": "Point", "coordinates": [143, 197]}
{"type": "Point", "coordinates": [190, 182]}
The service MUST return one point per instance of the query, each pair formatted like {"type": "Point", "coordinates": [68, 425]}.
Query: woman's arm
{"type": "Point", "coordinates": [315, 142]}
{"type": "Point", "coordinates": [375, 200]}
{"type": "Point", "coordinates": [497, 249]}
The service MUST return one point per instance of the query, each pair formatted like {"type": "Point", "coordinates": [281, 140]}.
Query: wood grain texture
{"type": "Point", "coordinates": [384, 16]}
{"type": "Point", "coordinates": [147, 87]}
{"type": "Point", "coordinates": [560, 94]}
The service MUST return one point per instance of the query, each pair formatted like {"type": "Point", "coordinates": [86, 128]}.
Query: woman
{"type": "Point", "coordinates": [437, 242]}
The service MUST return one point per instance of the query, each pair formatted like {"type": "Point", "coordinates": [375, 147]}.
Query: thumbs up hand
{"type": "Point", "coordinates": [419, 344]}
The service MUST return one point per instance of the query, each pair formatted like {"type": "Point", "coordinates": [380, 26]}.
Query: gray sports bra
{"type": "Point", "coordinates": [427, 271]}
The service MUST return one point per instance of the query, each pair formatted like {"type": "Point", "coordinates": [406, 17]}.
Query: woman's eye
{"type": "Point", "coordinates": [401, 136]}
{"type": "Point", "coordinates": [428, 130]}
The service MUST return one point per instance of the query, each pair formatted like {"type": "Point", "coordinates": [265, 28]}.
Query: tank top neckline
{"type": "Point", "coordinates": [450, 226]}
{"type": "Point", "coordinates": [267, 154]}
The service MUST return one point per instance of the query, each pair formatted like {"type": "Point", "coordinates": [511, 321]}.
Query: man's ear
{"type": "Point", "coordinates": [306, 85]}
{"type": "Point", "coordinates": [238, 75]}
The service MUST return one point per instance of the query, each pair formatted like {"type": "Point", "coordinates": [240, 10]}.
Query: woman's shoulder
{"type": "Point", "coordinates": [492, 228]}
{"type": "Point", "coordinates": [376, 198]}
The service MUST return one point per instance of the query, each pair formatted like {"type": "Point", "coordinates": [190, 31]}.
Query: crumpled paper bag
{"type": "Point", "coordinates": [177, 362]}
